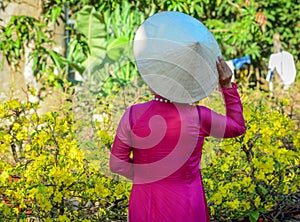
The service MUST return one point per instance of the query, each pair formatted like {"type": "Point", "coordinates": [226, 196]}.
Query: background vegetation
{"type": "Point", "coordinates": [54, 164]}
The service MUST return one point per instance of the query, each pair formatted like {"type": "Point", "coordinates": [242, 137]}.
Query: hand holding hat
{"type": "Point", "coordinates": [225, 73]}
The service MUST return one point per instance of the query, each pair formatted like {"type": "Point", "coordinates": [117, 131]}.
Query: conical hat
{"type": "Point", "coordinates": [176, 56]}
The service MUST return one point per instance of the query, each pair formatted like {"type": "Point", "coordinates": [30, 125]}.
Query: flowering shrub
{"type": "Point", "coordinates": [49, 172]}
{"type": "Point", "coordinates": [254, 173]}
{"type": "Point", "coordinates": [46, 175]}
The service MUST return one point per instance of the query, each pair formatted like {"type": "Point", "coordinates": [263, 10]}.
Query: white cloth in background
{"type": "Point", "coordinates": [231, 66]}
{"type": "Point", "coordinates": [283, 62]}
{"type": "Point", "coordinates": [238, 63]}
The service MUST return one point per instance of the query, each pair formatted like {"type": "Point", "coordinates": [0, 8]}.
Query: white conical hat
{"type": "Point", "coordinates": [176, 56]}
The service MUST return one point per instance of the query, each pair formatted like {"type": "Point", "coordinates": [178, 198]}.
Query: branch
{"type": "Point", "coordinates": [249, 159]}
{"type": "Point", "coordinates": [220, 30]}
{"type": "Point", "coordinates": [234, 4]}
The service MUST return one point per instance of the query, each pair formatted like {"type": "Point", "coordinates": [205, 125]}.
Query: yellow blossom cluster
{"type": "Point", "coordinates": [44, 174]}
{"type": "Point", "coordinates": [250, 174]}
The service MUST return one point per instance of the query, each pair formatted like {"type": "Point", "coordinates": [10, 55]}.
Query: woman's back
{"type": "Point", "coordinates": [166, 140]}
{"type": "Point", "coordinates": [167, 181]}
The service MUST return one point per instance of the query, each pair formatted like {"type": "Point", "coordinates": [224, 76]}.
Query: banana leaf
{"type": "Point", "coordinates": [90, 23]}
{"type": "Point", "coordinates": [117, 47]}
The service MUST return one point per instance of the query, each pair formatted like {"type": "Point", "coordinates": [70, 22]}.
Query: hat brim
{"type": "Point", "coordinates": [176, 56]}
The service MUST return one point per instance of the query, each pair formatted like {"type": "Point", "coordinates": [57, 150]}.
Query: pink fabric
{"type": "Point", "coordinates": [166, 140]}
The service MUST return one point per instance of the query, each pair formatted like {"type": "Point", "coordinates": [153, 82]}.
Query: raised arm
{"type": "Point", "coordinates": [220, 126]}
{"type": "Point", "coordinates": [217, 125]}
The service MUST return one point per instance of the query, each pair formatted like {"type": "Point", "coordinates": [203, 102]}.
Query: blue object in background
{"type": "Point", "coordinates": [239, 62]}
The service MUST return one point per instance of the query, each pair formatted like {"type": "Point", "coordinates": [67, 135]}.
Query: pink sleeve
{"type": "Point", "coordinates": [120, 161]}
{"type": "Point", "coordinates": [217, 125]}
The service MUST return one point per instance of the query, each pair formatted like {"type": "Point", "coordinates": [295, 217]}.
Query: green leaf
{"type": "Point", "coordinates": [57, 59]}
{"type": "Point", "coordinates": [254, 216]}
{"type": "Point", "coordinates": [55, 13]}
{"type": "Point", "coordinates": [90, 23]}
{"type": "Point", "coordinates": [116, 48]}
{"type": "Point", "coordinates": [42, 189]}
{"type": "Point", "coordinates": [264, 190]}
{"type": "Point", "coordinates": [77, 67]}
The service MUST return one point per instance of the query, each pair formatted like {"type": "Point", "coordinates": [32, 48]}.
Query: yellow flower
{"type": "Point", "coordinates": [13, 104]}
{"type": "Point", "coordinates": [212, 210]}
{"type": "Point", "coordinates": [260, 175]}
{"type": "Point", "coordinates": [285, 189]}
{"type": "Point", "coordinates": [269, 205]}
{"type": "Point", "coordinates": [48, 219]}
{"type": "Point", "coordinates": [21, 135]}
{"type": "Point", "coordinates": [4, 177]}
{"type": "Point", "coordinates": [16, 126]}
{"type": "Point", "coordinates": [58, 197]}
{"type": "Point", "coordinates": [268, 166]}
{"type": "Point", "coordinates": [7, 138]}
{"type": "Point", "coordinates": [2, 110]}
{"type": "Point", "coordinates": [63, 218]}
{"type": "Point", "coordinates": [27, 147]}
{"type": "Point", "coordinates": [246, 181]}
{"type": "Point", "coordinates": [16, 210]}
{"type": "Point", "coordinates": [224, 167]}
{"type": "Point", "coordinates": [209, 183]}
{"type": "Point", "coordinates": [257, 201]}
{"type": "Point", "coordinates": [234, 205]}
{"type": "Point", "coordinates": [246, 205]}
{"type": "Point", "coordinates": [217, 198]}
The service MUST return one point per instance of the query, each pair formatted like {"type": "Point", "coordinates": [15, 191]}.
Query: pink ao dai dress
{"type": "Point", "coordinates": [166, 141]}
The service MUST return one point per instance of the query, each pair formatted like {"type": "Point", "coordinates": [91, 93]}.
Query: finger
{"type": "Point", "coordinates": [219, 68]}
{"type": "Point", "coordinates": [220, 59]}
{"type": "Point", "coordinates": [226, 70]}
{"type": "Point", "coordinates": [223, 63]}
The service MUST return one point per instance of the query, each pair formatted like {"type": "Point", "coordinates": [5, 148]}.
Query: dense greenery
{"type": "Point", "coordinates": [54, 165]}
{"type": "Point", "coordinates": [241, 28]}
